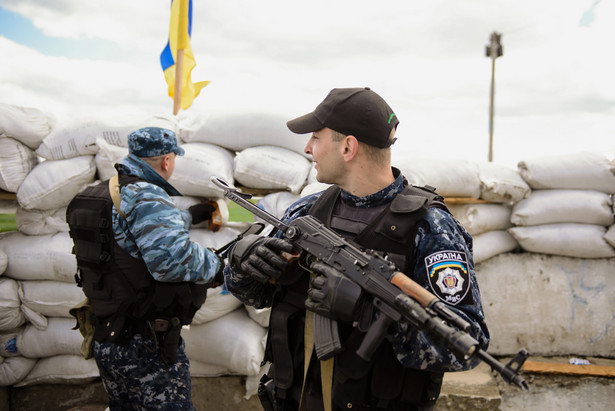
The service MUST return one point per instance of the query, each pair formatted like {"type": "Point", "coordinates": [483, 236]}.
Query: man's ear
{"type": "Point", "coordinates": [166, 160]}
{"type": "Point", "coordinates": [350, 147]}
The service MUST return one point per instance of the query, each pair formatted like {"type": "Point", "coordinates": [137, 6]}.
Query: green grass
{"type": "Point", "coordinates": [7, 223]}
{"type": "Point", "coordinates": [238, 213]}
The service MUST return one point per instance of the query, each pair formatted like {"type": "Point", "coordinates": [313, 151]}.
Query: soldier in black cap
{"type": "Point", "coordinates": [370, 203]}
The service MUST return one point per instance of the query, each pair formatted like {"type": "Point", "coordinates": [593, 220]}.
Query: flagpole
{"type": "Point", "coordinates": [182, 34]}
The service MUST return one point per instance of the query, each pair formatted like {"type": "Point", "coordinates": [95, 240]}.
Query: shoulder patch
{"type": "Point", "coordinates": [447, 272]}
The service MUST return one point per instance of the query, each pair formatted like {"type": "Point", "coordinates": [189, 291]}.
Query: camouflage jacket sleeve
{"type": "Point", "coordinates": [443, 265]}
{"type": "Point", "coordinates": [156, 231]}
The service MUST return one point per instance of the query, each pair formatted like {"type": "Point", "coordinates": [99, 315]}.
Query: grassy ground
{"type": "Point", "coordinates": [7, 223]}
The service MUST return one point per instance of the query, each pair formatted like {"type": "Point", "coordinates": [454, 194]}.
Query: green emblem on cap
{"type": "Point", "coordinates": [391, 118]}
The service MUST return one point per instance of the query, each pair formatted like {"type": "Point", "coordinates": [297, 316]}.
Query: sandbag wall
{"type": "Point", "coordinates": [46, 161]}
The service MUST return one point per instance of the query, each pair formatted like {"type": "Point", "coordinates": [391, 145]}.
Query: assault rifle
{"type": "Point", "coordinates": [396, 296]}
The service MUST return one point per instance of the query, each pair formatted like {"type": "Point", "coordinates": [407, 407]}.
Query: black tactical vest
{"type": "Point", "coordinates": [383, 382]}
{"type": "Point", "coordinates": [122, 292]}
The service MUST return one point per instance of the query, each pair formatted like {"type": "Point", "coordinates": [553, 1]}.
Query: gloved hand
{"type": "Point", "coordinates": [201, 212]}
{"type": "Point", "coordinates": [261, 257]}
{"type": "Point", "coordinates": [333, 295]}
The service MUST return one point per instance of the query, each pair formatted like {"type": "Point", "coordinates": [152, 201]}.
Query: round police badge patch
{"type": "Point", "coordinates": [448, 275]}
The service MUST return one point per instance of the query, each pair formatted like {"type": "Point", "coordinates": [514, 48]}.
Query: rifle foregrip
{"type": "Point", "coordinates": [413, 289]}
{"type": "Point", "coordinates": [326, 337]}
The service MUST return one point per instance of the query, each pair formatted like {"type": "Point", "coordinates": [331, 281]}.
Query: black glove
{"type": "Point", "coordinates": [261, 257]}
{"type": "Point", "coordinates": [201, 212]}
{"type": "Point", "coordinates": [333, 295]}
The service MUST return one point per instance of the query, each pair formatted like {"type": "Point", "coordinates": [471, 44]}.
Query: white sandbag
{"type": "Point", "coordinates": [564, 206]}
{"type": "Point", "coordinates": [313, 188]}
{"type": "Point", "coordinates": [50, 298]}
{"type": "Point", "coordinates": [219, 302]}
{"type": "Point", "coordinates": [501, 184]}
{"type": "Point", "coordinates": [61, 369]}
{"type": "Point", "coordinates": [57, 339]}
{"type": "Point", "coordinates": [194, 169]}
{"type": "Point", "coordinates": [41, 257]}
{"type": "Point", "coordinates": [11, 316]}
{"type": "Point", "coordinates": [578, 171]}
{"type": "Point", "coordinates": [564, 239]}
{"type": "Point", "coordinates": [277, 203]}
{"type": "Point", "coordinates": [483, 217]}
{"type": "Point", "coordinates": [260, 315]}
{"type": "Point", "coordinates": [271, 168]}
{"type": "Point", "coordinates": [237, 130]}
{"type": "Point", "coordinates": [451, 178]}
{"type": "Point", "coordinates": [214, 240]}
{"type": "Point", "coordinates": [16, 161]}
{"type": "Point", "coordinates": [25, 124]}
{"type": "Point", "coordinates": [492, 243]}
{"type": "Point", "coordinates": [15, 369]}
{"type": "Point", "coordinates": [609, 236]}
{"type": "Point", "coordinates": [78, 137]}
{"type": "Point", "coordinates": [52, 184]}
{"type": "Point", "coordinates": [233, 341]}
{"type": "Point", "coordinates": [39, 222]}
{"type": "Point", "coordinates": [4, 260]}
{"type": "Point", "coordinates": [106, 157]}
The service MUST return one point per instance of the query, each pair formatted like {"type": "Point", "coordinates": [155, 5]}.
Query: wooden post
{"type": "Point", "coordinates": [494, 50]}
{"type": "Point", "coordinates": [182, 39]}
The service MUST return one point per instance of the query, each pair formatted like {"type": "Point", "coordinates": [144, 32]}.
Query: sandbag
{"type": "Point", "coordinates": [277, 203]}
{"type": "Point", "coordinates": [219, 303]}
{"type": "Point", "coordinates": [501, 184]}
{"type": "Point", "coordinates": [11, 315]}
{"type": "Point", "coordinates": [50, 298]}
{"type": "Point", "coordinates": [39, 222]}
{"type": "Point", "coordinates": [25, 124]}
{"type": "Point", "coordinates": [564, 206]}
{"type": "Point", "coordinates": [271, 168]}
{"type": "Point", "coordinates": [313, 188]}
{"type": "Point", "coordinates": [15, 369]}
{"type": "Point", "coordinates": [77, 137]}
{"type": "Point", "coordinates": [492, 243]}
{"type": "Point", "coordinates": [482, 217]}
{"type": "Point", "coordinates": [57, 339]}
{"type": "Point", "coordinates": [106, 157]}
{"type": "Point", "coordinates": [201, 369]}
{"type": "Point", "coordinates": [609, 236]}
{"type": "Point", "coordinates": [4, 260]}
{"type": "Point", "coordinates": [53, 184]}
{"type": "Point", "coordinates": [233, 341]}
{"type": "Point", "coordinates": [578, 171]}
{"type": "Point", "coordinates": [214, 240]}
{"type": "Point", "coordinates": [43, 257]}
{"type": "Point", "coordinates": [260, 315]}
{"type": "Point", "coordinates": [61, 369]}
{"type": "Point", "coordinates": [564, 239]}
{"type": "Point", "coordinates": [450, 178]}
{"type": "Point", "coordinates": [238, 130]}
{"type": "Point", "coordinates": [16, 161]}
{"type": "Point", "coordinates": [194, 169]}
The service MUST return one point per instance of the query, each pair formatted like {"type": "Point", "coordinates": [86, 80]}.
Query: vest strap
{"type": "Point", "coordinates": [114, 190]}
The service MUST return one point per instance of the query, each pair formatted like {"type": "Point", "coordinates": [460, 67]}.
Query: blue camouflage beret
{"type": "Point", "coordinates": [152, 142]}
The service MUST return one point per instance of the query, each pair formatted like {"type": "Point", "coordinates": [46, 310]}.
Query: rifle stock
{"type": "Point", "coordinates": [397, 297]}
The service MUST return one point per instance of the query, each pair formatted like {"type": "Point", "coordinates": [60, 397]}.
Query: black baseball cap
{"type": "Point", "coordinates": [359, 112]}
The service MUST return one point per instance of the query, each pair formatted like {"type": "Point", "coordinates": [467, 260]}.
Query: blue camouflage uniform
{"type": "Point", "coordinates": [155, 231]}
{"type": "Point", "coordinates": [438, 231]}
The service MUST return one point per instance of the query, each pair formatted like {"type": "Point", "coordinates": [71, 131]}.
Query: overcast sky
{"type": "Point", "coordinates": [554, 85]}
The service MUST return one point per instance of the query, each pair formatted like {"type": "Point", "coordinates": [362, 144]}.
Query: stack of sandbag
{"type": "Point", "coordinates": [570, 210]}
{"type": "Point", "coordinates": [268, 156]}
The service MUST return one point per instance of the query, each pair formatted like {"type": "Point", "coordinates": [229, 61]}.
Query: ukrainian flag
{"type": "Point", "coordinates": [179, 39]}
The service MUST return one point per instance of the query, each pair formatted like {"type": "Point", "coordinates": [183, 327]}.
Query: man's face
{"type": "Point", "coordinates": [326, 153]}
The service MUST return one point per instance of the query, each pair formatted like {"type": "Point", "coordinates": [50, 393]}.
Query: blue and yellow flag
{"type": "Point", "coordinates": [179, 39]}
